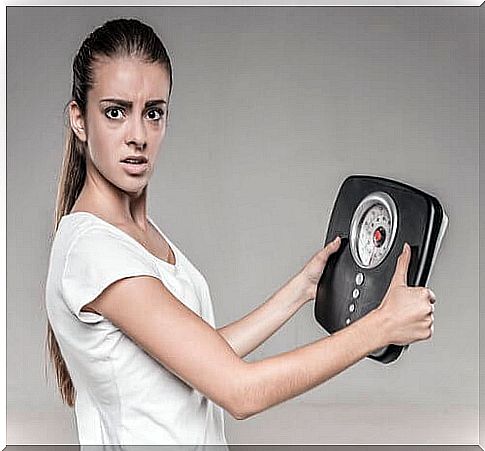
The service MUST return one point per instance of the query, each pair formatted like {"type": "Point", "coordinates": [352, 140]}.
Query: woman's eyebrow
{"type": "Point", "coordinates": [128, 104]}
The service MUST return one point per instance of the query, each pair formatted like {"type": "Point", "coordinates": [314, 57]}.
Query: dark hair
{"type": "Point", "coordinates": [115, 38]}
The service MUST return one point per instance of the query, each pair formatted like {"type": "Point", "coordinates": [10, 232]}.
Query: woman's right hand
{"type": "Point", "coordinates": [407, 312]}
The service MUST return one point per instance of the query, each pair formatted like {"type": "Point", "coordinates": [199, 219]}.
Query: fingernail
{"type": "Point", "coordinates": [405, 248]}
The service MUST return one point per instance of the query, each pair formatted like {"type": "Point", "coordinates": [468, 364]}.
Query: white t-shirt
{"type": "Point", "coordinates": [124, 396]}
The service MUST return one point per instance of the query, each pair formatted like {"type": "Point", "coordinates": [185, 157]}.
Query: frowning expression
{"type": "Point", "coordinates": [126, 117]}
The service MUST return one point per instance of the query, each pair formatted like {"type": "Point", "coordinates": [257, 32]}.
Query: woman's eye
{"type": "Point", "coordinates": [155, 114]}
{"type": "Point", "coordinates": [113, 113]}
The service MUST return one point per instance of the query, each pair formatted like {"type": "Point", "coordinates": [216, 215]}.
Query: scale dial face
{"type": "Point", "coordinates": [373, 229]}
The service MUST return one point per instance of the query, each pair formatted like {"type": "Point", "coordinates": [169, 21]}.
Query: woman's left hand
{"type": "Point", "coordinates": [313, 269]}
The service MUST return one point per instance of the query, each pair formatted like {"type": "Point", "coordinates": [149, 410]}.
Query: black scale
{"type": "Point", "coordinates": [374, 216]}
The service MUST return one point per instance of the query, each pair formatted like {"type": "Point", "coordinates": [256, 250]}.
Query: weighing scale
{"type": "Point", "coordinates": [374, 216]}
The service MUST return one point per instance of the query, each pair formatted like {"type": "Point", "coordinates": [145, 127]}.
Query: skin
{"type": "Point", "coordinates": [145, 310]}
{"type": "Point", "coordinates": [112, 132]}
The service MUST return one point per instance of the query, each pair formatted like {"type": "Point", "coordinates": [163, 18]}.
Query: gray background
{"type": "Point", "coordinates": [272, 108]}
{"type": "Point", "coordinates": [482, 226]}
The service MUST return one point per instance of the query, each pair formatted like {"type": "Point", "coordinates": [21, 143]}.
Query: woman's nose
{"type": "Point", "coordinates": [137, 133]}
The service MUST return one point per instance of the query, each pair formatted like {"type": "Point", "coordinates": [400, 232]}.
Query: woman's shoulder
{"type": "Point", "coordinates": [86, 231]}
{"type": "Point", "coordinates": [76, 224]}
{"type": "Point", "coordinates": [89, 246]}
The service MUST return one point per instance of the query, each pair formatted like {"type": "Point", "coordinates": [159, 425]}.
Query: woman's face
{"type": "Point", "coordinates": [125, 116]}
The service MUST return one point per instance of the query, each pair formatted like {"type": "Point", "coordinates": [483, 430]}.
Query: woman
{"type": "Point", "coordinates": [130, 322]}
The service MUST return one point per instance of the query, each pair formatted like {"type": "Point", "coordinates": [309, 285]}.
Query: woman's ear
{"type": "Point", "coordinates": [76, 120]}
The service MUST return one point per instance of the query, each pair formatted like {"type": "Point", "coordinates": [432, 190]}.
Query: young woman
{"type": "Point", "coordinates": [131, 330]}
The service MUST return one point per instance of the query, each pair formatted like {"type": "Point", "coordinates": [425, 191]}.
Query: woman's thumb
{"type": "Point", "coordinates": [401, 272]}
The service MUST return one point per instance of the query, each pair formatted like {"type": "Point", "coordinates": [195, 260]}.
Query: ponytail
{"type": "Point", "coordinates": [73, 174]}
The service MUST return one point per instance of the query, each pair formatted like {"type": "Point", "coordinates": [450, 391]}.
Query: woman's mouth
{"type": "Point", "coordinates": [134, 167]}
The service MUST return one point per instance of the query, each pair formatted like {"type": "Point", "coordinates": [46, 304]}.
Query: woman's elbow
{"type": "Point", "coordinates": [240, 412]}
{"type": "Point", "coordinates": [238, 416]}
{"type": "Point", "coordinates": [237, 407]}
{"type": "Point", "coordinates": [243, 412]}
{"type": "Point", "coordinates": [244, 400]}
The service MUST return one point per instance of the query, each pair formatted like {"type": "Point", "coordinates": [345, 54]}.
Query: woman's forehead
{"type": "Point", "coordinates": [129, 77]}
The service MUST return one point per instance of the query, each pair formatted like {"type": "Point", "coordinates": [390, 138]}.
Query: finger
{"type": "Point", "coordinates": [334, 242]}
{"type": "Point", "coordinates": [331, 247]}
{"type": "Point", "coordinates": [401, 272]}
{"type": "Point", "coordinates": [323, 254]}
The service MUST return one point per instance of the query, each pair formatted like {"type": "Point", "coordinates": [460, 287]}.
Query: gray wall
{"type": "Point", "coordinates": [482, 227]}
{"type": "Point", "coordinates": [272, 108]}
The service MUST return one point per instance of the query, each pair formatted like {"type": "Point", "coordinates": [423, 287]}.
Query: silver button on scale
{"type": "Point", "coordinates": [359, 280]}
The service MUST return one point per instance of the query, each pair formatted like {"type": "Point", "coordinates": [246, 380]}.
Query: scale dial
{"type": "Point", "coordinates": [373, 229]}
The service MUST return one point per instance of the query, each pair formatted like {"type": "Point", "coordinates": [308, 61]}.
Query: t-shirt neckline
{"type": "Point", "coordinates": [126, 235]}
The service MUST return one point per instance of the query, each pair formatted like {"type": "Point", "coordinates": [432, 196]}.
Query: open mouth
{"type": "Point", "coordinates": [137, 160]}
{"type": "Point", "coordinates": [135, 165]}
{"type": "Point", "coordinates": [133, 161]}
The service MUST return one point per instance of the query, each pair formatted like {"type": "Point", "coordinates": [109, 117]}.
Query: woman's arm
{"type": "Point", "coordinates": [145, 310]}
{"type": "Point", "coordinates": [249, 332]}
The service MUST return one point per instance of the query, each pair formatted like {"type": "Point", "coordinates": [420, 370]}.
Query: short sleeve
{"type": "Point", "coordinates": [97, 258]}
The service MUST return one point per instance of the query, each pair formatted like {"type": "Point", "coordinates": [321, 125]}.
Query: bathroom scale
{"type": "Point", "coordinates": [374, 217]}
